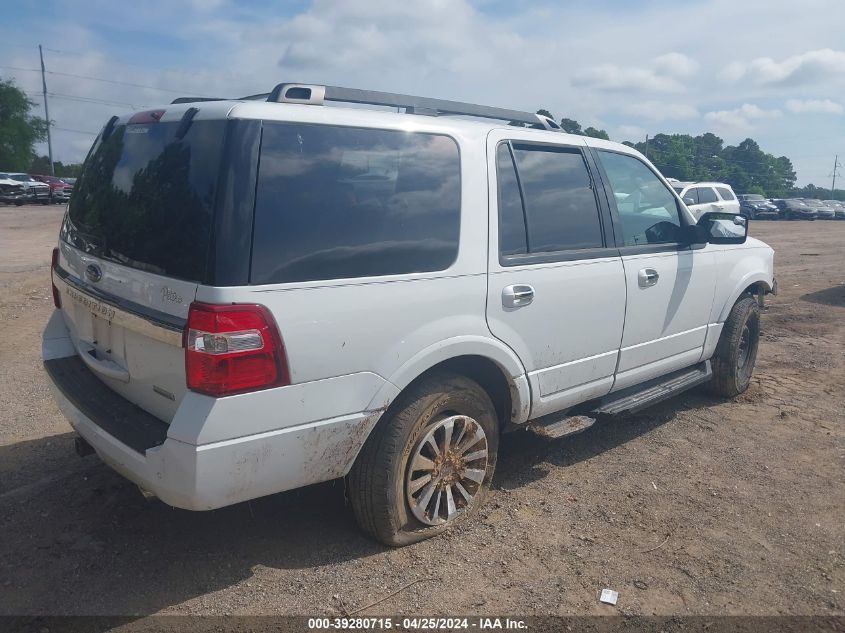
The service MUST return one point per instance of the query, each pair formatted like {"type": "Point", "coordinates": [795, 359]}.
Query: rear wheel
{"type": "Point", "coordinates": [428, 463]}
{"type": "Point", "coordinates": [736, 352]}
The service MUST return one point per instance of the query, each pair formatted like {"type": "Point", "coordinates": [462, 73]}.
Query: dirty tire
{"type": "Point", "coordinates": [736, 352]}
{"type": "Point", "coordinates": [376, 485]}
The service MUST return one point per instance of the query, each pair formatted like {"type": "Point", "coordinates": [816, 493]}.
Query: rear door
{"type": "Point", "coordinates": [133, 247]}
{"type": "Point", "coordinates": [556, 289]}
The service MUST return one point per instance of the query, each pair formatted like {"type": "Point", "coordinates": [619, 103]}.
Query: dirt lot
{"type": "Point", "coordinates": [751, 494]}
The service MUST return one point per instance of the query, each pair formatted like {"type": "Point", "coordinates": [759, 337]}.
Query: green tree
{"type": "Point", "coordinates": [41, 165]}
{"type": "Point", "coordinates": [571, 125]}
{"type": "Point", "coordinates": [19, 130]}
{"type": "Point", "coordinates": [595, 133]}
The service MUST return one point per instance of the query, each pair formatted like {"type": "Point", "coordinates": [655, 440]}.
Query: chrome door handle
{"type": "Point", "coordinates": [647, 277]}
{"type": "Point", "coordinates": [517, 296]}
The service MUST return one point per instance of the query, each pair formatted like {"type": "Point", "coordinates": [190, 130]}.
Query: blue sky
{"type": "Point", "coordinates": [774, 73]}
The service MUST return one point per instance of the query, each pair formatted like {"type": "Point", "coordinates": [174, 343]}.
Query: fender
{"type": "Point", "coordinates": [466, 345]}
{"type": "Point", "coordinates": [747, 280]}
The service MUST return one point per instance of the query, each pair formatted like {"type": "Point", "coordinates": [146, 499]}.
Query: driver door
{"type": "Point", "coordinates": [669, 285]}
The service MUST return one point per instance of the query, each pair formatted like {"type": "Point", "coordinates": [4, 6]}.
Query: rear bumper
{"type": "Point", "coordinates": [199, 476]}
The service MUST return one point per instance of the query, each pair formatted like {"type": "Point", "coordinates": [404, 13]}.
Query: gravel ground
{"type": "Point", "coordinates": [697, 506]}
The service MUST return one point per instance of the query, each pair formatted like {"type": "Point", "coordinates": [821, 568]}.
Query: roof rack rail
{"type": "Point", "coordinates": [196, 99]}
{"type": "Point", "coordinates": [311, 94]}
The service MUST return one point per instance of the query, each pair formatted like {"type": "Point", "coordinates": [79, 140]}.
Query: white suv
{"type": "Point", "coordinates": [260, 294]}
{"type": "Point", "coordinates": [704, 197]}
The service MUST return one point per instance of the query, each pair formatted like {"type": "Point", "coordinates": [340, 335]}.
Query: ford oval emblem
{"type": "Point", "coordinates": [93, 272]}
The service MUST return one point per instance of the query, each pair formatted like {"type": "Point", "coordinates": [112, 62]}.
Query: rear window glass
{"type": "Point", "coordinates": [725, 193]}
{"type": "Point", "coordinates": [339, 202]}
{"type": "Point", "coordinates": [145, 198]}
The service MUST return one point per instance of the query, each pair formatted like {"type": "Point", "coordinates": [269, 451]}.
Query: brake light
{"type": "Point", "coordinates": [148, 116]}
{"type": "Point", "coordinates": [232, 349]}
{"type": "Point", "coordinates": [54, 263]}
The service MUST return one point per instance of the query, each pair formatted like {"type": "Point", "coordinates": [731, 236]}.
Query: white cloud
{"type": "Point", "coordinates": [820, 106]}
{"type": "Point", "coordinates": [741, 118]}
{"type": "Point", "coordinates": [661, 111]}
{"type": "Point", "coordinates": [626, 65]}
{"type": "Point", "coordinates": [662, 75]}
{"type": "Point", "coordinates": [630, 133]}
{"type": "Point", "coordinates": [676, 64]}
{"type": "Point", "coordinates": [795, 70]}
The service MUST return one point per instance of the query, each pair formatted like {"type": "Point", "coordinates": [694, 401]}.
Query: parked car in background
{"type": "Point", "coordinates": [706, 197]}
{"type": "Point", "coordinates": [838, 208]}
{"type": "Point", "coordinates": [11, 191]}
{"type": "Point", "coordinates": [69, 180]}
{"type": "Point", "coordinates": [59, 189]}
{"type": "Point", "coordinates": [823, 210]}
{"type": "Point", "coordinates": [755, 207]}
{"type": "Point", "coordinates": [34, 190]}
{"type": "Point", "coordinates": [794, 209]}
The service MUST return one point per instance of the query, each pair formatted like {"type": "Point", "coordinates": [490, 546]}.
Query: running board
{"type": "Point", "coordinates": [555, 425]}
{"type": "Point", "coordinates": [638, 397]}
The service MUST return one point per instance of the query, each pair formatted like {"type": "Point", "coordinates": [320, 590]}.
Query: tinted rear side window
{"type": "Point", "coordinates": [145, 198]}
{"type": "Point", "coordinates": [338, 202]}
{"type": "Point", "coordinates": [560, 206]}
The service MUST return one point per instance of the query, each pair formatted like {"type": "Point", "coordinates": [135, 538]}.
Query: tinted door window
{"type": "Point", "coordinates": [338, 202]}
{"type": "Point", "coordinates": [560, 206]}
{"type": "Point", "coordinates": [691, 196]}
{"type": "Point", "coordinates": [512, 236]}
{"type": "Point", "coordinates": [647, 209]}
{"type": "Point", "coordinates": [706, 195]}
{"type": "Point", "coordinates": [725, 193]}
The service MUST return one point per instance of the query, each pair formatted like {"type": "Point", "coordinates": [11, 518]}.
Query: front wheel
{"type": "Point", "coordinates": [736, 352]}
{"type": "Point", "coordinates": [428, 463]}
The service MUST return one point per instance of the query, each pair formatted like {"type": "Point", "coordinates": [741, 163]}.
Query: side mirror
{"type": "Point", "coordinates": [688, 200]}
{"type": "Point", "coordinates": [724, 228]}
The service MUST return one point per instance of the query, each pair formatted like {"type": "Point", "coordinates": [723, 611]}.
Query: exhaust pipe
{"type": "Point", "coordinates": [82, 447]}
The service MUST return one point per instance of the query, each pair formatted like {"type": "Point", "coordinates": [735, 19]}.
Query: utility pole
{"type": "Point", "coordinates": [836, 165]}
{"type": "Point", "coordinates": [646, 146]}
{"type": "Point", "coordinates": [46, 112]}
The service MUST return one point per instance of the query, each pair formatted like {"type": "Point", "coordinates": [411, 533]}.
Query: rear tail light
{"type": "Point", "coordinates": [54, 263]}
{"type": "Point", "coordinates": [232, 349]}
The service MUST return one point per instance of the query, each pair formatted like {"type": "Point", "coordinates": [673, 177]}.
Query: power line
{"type": "Point", "coordinates": [89, 78]}
{"type": "Point", "coordinates": [67, 129]}
{"type": "Point", "coordinates": [114, 61]}
{"type": "Point", "coordinates": [61, 95]}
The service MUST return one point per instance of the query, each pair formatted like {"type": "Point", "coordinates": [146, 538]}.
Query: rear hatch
{"type": "Point", "coordinates": [135, 244]}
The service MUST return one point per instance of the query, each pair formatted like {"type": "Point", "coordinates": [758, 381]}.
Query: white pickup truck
{"type": "Point", "coordinates": [258, 294]}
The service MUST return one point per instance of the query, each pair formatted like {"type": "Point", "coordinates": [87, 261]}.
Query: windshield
{"type": "Point", "coordinates": [754, 197]}
{"type": "Point", "coordinates": [22, 178]}
{"type": "Point", "coordinates": [145, 198]}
